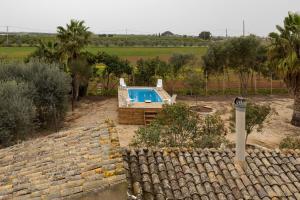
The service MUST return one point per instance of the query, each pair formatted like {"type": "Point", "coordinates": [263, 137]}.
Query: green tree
{"type": "Point", "coordinates": [215, 61]}
{"type": "Point", "coordinates": [177, 63]}
{"type": "Point", "coordinates": [48, 88]}
{"type": "Point", "coordinates": [148, 70]}
{"type": "Point", "coordinates": [216, 58]}
{"type": "Point", "coordinates": [284, 55]}
{"type": "Point", "coordinates": [194, 81]}
{"type": "Point", "coordinates": [178, 126]}
{"type": "Point", "coordinates": [255, 117]}
{"type": "Point", "coordinates": [242, 57]}
{"type": "Point", "coordinates": [45, 51]}
{"type": "Point", "coordinates": [205, 35]}
{"type": "Point", "coordinates": [114, 65]}
{"type": "Point", "coordinates": [17, 112]}
{"type": "Point", "coordinates": [71, 41]}
{"type": "Point", "coordinates": [73, 38]}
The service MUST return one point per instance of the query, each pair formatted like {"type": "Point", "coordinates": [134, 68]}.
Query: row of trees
{"type": "Point", "coordinates": [246, 55]}
{"type": "Point", "coordinates": [243, 55]}
{"type": "Point", "coordinates": [108, 40]}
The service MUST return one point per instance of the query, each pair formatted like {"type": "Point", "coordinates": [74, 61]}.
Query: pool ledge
{"type": "Point", "coordinates": [138, 113]}
{"type": "Point", "coordinates": [123, 96]}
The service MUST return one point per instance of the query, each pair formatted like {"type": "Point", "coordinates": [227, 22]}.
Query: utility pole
{"type": "Point", "coordinates": [226, 33]}
{"type": "Point", "coordinates": [126, 36]}
{"type": "Point", "coordinates": [7, 35]}
{"type": "Point", "coordinates": [243, 27]}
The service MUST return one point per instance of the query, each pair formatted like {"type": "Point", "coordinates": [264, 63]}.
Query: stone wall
{"type": "Point", "coordinates": [62, 165]}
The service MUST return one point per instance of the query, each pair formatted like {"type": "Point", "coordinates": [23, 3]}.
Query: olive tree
{"type": "Point", "coordinates": [178, 126]}
{"type": "Point", "coordinates": [255, 117]}
{"type": "Point", "coordinates": [17, 112]}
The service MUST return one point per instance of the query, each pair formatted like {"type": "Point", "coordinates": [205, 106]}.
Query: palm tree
{"type": "Point", "coordinates": [73, 38]}
{"type": "Point", "coordinates": [46, 51]}
{"type": "Point", "coordinates": [284, 54]}
{"type": "Point", "coordinates": [72, 41]}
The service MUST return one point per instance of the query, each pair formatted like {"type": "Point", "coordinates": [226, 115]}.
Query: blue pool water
{"type": "Point", "coordinates": [141, 95]}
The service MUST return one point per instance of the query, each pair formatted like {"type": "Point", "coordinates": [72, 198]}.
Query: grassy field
{"type": "Point", "coordinates": [131, 53]}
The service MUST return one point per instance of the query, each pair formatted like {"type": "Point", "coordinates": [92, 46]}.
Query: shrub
{"type": "Point", "coordinates": [212, 132]}
{"type": "Point", "coordinates": [290, 143]}
{"type": "Point", "coordinates": [51, 91]}
{"type": "Point", "coordinates": [17, 111]}
{"type": "Point", "coordinates": [48, 87]}
{"type": "Point", "coordinates": [255, 116]}
{"type": "Point", "coordinates": [178, 126]}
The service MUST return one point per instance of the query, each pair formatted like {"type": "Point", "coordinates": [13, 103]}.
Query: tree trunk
{"type": "Point", "coordinates": [107, 82]}
{"type": "Point", "coordinates": [75, 87]}
{"type": "Point", "coordinates": [296, 114]}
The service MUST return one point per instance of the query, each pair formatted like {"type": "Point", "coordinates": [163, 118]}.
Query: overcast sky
{"type": "Point", "coordinates": [148, 16]}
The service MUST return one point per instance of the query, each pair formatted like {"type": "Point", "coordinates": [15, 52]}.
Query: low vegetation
{"type": "Point", "coordinates": [178, 126]}
{"type": "Point", "coordinates": [290, 143]}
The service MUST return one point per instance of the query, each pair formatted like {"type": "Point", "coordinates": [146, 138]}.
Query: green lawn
{"type": "Point", "coordinates": [131, 53]}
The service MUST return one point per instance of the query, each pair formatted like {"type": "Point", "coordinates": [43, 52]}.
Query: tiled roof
{"type": "Point", "coordinates": [61, 165]}
{"type": "Point", "coordinates": [212, 174]}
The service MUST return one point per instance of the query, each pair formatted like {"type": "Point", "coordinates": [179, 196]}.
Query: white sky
{"type": "Point", "coordinates": [148, 16]}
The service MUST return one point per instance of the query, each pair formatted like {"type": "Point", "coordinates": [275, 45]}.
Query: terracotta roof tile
{"type": "Point", "coordinates": [64, 164]}
{"type": "Point", "coordinates": [212, 174]}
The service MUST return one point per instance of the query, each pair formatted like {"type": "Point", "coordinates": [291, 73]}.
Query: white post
{"type": "Point", "coordinates": [240, 129]}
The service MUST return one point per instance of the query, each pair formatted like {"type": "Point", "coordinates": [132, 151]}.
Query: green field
{"type": "Point", "coordinates": [131, 53]}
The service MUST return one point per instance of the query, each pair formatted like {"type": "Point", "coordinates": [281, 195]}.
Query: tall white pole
{"type": "Point", "coordinates": [240, 129]}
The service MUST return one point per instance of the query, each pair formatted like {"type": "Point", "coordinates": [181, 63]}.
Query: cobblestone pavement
{"type": "Point", "coordinates": [62, 165]}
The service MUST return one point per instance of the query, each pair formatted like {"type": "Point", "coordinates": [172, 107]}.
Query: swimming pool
{"type": "Point", "coordinates": [143, 95]}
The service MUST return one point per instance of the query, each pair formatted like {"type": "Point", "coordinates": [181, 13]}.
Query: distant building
{"type": "Point", "coordinates": [167, 33]}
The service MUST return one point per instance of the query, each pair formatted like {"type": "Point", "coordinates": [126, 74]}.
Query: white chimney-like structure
{"type": "Point", "coordinates": [240, 130]}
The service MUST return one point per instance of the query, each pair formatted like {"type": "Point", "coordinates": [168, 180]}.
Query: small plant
{"type": "Point", "coordinates": [255, 116]}
{"type": "Point", "coordinates": [178, 126]}
{"type": "Point", "coordinates": [290, 143]}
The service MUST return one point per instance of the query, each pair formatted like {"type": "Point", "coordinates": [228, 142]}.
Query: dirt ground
{"type": "Point", "coordinates": [92, 110]}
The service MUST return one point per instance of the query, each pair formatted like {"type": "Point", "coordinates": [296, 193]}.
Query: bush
{"type": "Point", "coordinates": [178, 126]}
{"type": "Point", "coordinates": [212, 132]}
{"type": "Point", "coordinates": [290, 143]}
{"type": "Point", "coordinates": [51, 91]}
{"type": "Point", "coordinates": [48, 87]}
{"type": "Point", "coordinates": [17, 111]}
{"type": "Point", "coordinates": [255, 116]}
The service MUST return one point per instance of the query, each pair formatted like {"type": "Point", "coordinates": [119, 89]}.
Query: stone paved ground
{"type": "Point", "coordinates": [62, 165]}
